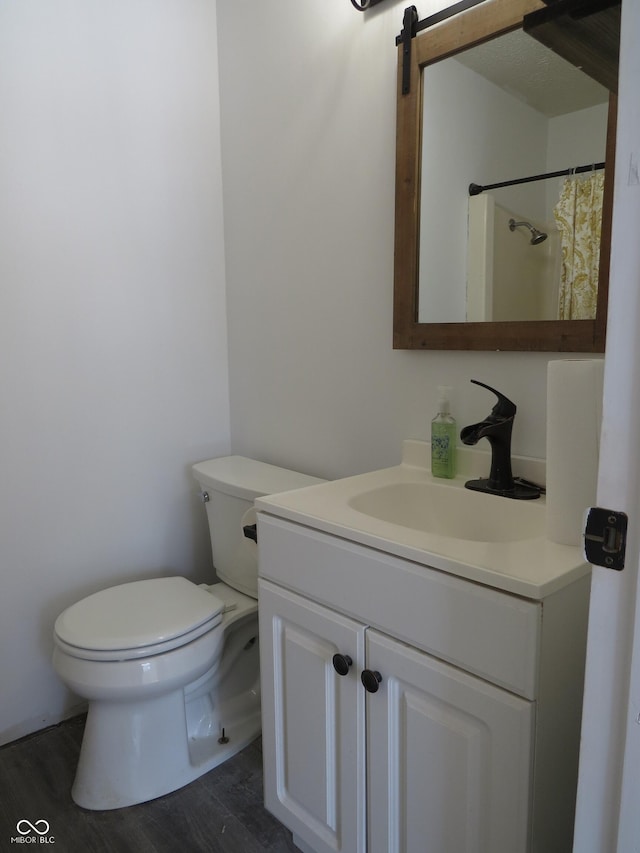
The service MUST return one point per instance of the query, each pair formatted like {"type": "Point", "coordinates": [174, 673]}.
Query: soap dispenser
{"type": "Point", "coordinates": [443, 438]}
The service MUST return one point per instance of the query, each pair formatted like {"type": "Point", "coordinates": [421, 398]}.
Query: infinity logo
{"type": "Point", "coordinates": [41, 827]}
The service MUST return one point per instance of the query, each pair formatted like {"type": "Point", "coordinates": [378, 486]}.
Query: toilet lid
{"type": "Point", "coordinates": [139, 614]}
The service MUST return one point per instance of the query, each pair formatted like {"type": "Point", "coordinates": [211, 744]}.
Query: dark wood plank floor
{"type": "Point", "coordinates": [221, 812]}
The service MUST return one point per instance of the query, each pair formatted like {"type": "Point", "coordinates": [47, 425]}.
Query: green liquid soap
{"type": "Point", "coordinates": [443, 439]}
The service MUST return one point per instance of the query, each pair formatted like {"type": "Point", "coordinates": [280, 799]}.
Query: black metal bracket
{"type": "Point", "coordinates": [409, 22]}
{"type": "Point", "coordinates": [411, 26]}
{"type": "Point", "coordinates": [605, 537]}
{"type": "Point", "coordinates": [438, 17]}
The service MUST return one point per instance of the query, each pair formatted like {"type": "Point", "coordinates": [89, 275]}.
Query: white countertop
{"type": "Point", "coordinates": [533, 568]}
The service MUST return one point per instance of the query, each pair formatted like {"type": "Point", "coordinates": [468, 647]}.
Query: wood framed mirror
{"type": "Point", "coordinates": [420, 203]}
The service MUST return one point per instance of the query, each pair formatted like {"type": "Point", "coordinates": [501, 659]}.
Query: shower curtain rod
{"type": "Point", "coordinates": [476, 189]}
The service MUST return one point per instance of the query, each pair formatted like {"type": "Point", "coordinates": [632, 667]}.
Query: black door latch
{"type": "Point", "coordinates": [605, 537]}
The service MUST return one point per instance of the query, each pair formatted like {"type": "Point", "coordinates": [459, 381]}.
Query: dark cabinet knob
{"type": "Point", "coordinates": [370, 680]}
{"type": "Point", "coordinates": [341, 664]}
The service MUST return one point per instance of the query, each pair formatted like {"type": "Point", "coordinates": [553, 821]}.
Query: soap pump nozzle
{"type": "Point", "coordinates": [444, 407]}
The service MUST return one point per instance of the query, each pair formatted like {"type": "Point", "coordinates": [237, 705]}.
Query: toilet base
{"type": "Point", "coordinates": [123, 761]}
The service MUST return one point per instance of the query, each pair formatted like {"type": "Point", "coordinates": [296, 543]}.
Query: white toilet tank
{"type": "Point", "coordinates": [232, 484]}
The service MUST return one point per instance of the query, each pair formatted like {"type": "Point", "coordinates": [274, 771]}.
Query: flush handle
{"type": "Point", "coordinates": [251, 531]}
{"type": "Point", "coordinates": [605, 537]}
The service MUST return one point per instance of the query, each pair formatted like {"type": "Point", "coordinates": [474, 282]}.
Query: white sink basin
{"type": "Point", "coordinates": [406, 512]}
{"type": "Point", "coordinates": [453, 511]}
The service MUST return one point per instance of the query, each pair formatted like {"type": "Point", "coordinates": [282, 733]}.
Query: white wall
{"type": "Point", "coordinates": [113, 369]}
{"type": "Point", "coordinates": [574, 139]}
{"type": "Point", "coordinates": [113, 352]}
{"type": "Point", "coordinates": [308, 141]}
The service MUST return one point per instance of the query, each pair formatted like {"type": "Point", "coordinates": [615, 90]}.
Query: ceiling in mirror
{"type": "Point", "coordinates": [585, 32]}
{"type": "Point", "coordinates": [537, 76]}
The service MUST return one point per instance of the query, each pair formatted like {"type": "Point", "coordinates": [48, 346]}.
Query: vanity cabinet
{"type": "Point", "coordinates": [443, 757]}
{"type": "Point", "coordinates": [468, 742]}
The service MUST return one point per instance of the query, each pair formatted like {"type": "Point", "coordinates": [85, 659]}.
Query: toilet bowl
{"type": "Point", "coordinates": [170, 669]}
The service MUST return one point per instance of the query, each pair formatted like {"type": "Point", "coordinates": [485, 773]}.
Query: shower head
{"type": "Point", "coordinates": [536, 236]}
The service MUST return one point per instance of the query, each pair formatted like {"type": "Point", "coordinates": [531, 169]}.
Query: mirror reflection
{"type": "Point", "coordinates": [503, 111]}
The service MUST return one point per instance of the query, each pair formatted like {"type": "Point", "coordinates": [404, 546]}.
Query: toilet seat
{"type": "Point", "coordinates": [137, 619]}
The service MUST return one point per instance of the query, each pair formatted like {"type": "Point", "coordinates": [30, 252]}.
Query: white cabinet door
{"type": "Point", "coordinates": [313, 721]}
{"type": "Point", "coordinates": [450, 755]}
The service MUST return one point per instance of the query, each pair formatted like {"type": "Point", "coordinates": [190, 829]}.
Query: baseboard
{"type": "Point", "coordinates": [29, 728]}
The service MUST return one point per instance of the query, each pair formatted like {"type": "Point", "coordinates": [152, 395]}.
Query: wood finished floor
{"type": "Point", "coordinates": [221, 812]}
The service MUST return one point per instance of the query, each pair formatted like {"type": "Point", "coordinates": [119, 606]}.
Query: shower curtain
{"type": "Point", "coordinates": [578, 215]}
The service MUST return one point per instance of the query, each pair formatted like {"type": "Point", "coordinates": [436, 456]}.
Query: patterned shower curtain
{"type": "Point", "coordinates": [578, 216]}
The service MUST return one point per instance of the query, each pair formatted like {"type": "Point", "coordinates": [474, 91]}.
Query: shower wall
{"type": "Point", "coordinates": [508, 278]}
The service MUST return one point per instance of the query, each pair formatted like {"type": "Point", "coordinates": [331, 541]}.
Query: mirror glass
{"type": "Point", "coordinates": [504, 110]}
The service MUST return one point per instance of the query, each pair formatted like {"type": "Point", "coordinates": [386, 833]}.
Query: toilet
{"type": "Point", "coordinates": [170, 668]}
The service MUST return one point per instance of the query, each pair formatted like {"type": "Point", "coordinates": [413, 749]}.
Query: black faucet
{"type": "Point", "coordinates": [496, 428]}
